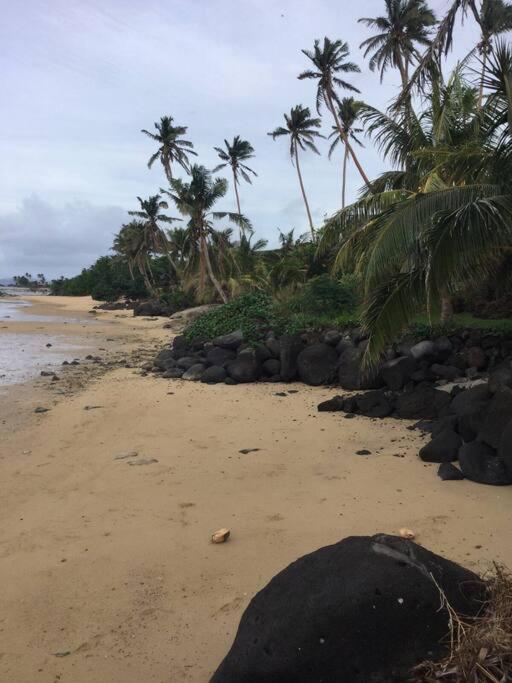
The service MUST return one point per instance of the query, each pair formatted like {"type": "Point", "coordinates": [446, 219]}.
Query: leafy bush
{"type": "Point", "coordinates": [177, 300]}
{"type": "Point", "coordinates": [252, 313]}
{"type": "Point", "coordinates": [324, 295]}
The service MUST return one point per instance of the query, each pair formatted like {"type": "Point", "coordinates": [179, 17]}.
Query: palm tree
{"type": "Point", "coordinates": [130, 243]}
{"type": "Point", "coordinates": [196, 199]}
{"type": "Point", "coordinates": [494, 18]}
{"type": "Point", "coordinates": [154, 237]}
{"type": "Point", "coordinates": [406, 24]}
{"type": "Point", "coordinates": [235, 154]}
{"type": "Point", "coordinates": [172, 148]}
{"type": "Point", "coordinates": [420, 241]}
{"type": "Point", "coordinates": [301, 129]}
{"type": "Point", "coordinates": [347, 113]}
{"type": "Point", "coordinates": [330, 61]}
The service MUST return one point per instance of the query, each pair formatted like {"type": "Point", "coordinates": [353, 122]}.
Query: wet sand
{"type": "Point", "coordinates": [106, 569]}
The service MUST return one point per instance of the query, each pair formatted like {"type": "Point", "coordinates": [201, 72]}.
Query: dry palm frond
{"type": "Point", "coordinates": [480, 648]}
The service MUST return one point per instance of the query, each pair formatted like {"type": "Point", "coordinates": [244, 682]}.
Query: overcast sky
{"type": "Point", "coordinates": [80, 78]}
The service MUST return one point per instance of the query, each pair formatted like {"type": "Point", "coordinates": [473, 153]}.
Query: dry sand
{"type": "Point", "coordinates": [106, 569]}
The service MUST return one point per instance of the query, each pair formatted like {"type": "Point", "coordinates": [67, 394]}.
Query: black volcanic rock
{"type": "Point", "coordinates": [364, 610]}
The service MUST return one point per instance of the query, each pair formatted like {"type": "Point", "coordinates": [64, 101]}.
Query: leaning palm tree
{"type": "Point", "coordinates": [347, 113]}
{"type": "Point", "coordinates": [405, 25]}
{"type": "Point", "coordinates": [172, 148]}
{"type": "Point", "coordinates": [151, 215]}
{"type": "Point", "coordinates": [300, 126]}
{"type": "Point", "coordinates": [234, 156]}
{"type": "Point", "coordinates": [494, 18]}
{"type": "Point", "coordinates": [421, 242]}
{"type": "Point", "coordinates": [330, 61]}
{"type": "Point", "coordinates": [195, 199]}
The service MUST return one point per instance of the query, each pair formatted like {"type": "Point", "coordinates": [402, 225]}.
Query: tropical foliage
{"type": "Point", "coordinates": [433, 227]}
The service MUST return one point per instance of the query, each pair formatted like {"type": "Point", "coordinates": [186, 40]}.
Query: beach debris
{"type": "Point", "coordinates": [143, 461]}
{"type": "Point", "coordinates": [221, 536]}
{"type": "Point", "coordinates": [406, 533]}
{"type": "Point", "coordinates": [363, 451]}
{"type": "Point", "coordinates": [47, 373]}
{"type": "Point", "coordinates": [124, 456]}
{"type": "Point", "coordinates": [63, 653]}
{"type": "Point", "coordinates": [40, 409]}
{"type": "Point", "coordinates": [244, 451]}
{"type": "Point", "coordinates": [92, 407]}
{"type": "Point", "coordinates": [281, 393]}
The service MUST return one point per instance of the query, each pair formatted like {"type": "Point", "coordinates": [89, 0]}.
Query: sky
{"type": "Point", "coordinates": [80, 78]}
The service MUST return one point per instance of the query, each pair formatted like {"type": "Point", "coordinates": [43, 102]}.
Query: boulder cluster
{"type": "Point", "coordinates": [366, 609]}
{"type": "Point", "coordinates": [470, 425]}
{"type": "Point", "coordinates": [334, 358]}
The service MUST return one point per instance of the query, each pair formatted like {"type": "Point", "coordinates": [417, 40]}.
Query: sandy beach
{"type": "Point", "coordinates": [107, 572]}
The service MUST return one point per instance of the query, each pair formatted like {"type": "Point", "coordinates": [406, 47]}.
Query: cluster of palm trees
{"type": "Point", "coordinates": [432, 223]}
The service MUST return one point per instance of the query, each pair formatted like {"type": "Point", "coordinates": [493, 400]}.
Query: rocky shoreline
{"type": "Point", "coordinates": [429, 380]}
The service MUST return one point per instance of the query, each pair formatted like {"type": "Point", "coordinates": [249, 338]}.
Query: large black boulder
{"type": "Point", "coordinates": [187, 362]}
{"type": "Point", "coordinates": [214, 374]}
{"type": "Point", "coordinates": [316, 364]}
{"type": "Point", "coordinates": [501, 377]}
{"type": "Point", "coordinates": [505, 448]}
{"type": "Point", "coordinates": [422, 402]}
{"type": "Point", "coordinates": [479, 462]}
{"type": "Point", "coordinates": [164, 359]}
{"type": "Point", "coordinates": [374, 404]}
{"type": "Point", "coordinates": [271, 367]}
{"type": "Point", "coordinates": [471, 401]}
{"type": "Point", "coordinates": [443, 448]}
{"type": "Point", "coordinates": [496, 417]}
{"type": "Point", "coordinates": [365, 610]}
{"type": "Point", "coordinates": [152, 308]}
{"type": "Point", "coordinates": [350, 374]}
{"type": "Point", "coordinates": [290, 347]}
{"type": "Point", "coordinates": [397, 372]}
{"type": "Point", "coordinates": [229, 341]}
{"type": "Point", "coordinates": [219, 356]}
{"type": "Point", "coordinates": [245, 368]}
{"type": "Point", "coordinates": [332, 405]}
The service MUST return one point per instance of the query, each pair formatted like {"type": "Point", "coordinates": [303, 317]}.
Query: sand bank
{"type": "Point", "coordinates": [107, 572]}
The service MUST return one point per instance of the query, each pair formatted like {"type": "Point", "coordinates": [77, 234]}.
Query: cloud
{"type": "Point", "coordinates": [41, 238]}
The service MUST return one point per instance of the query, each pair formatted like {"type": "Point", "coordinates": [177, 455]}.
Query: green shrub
{"type": "Point", "coordinates": [252, 313]}
{"type": "Point", "coordinates": [324, 295]}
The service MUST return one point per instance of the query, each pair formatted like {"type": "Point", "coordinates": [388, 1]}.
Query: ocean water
{"type": "Point", "coordinates": [22, 355]}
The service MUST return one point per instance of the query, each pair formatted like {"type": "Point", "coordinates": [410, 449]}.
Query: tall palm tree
{"type": "Point", "coordinates": [300, 126]}
{"type": "Point", "coordinates": [154, 236]}
{"type": "Point", "coordinates": [172, 148]}
{"type": "Point", "coordinates": [424, 240]}
{"type": "Point", "coordinates": [405, 25]}
{"type": "Point", "coordinates": [330, 61]}
{"type": "Point", "coordinates": [494, 18]}
{"type": "Point", "coordinates": [347, 112]}
{"type": "Point", "coordinates": [195, 199]}
{"type": "Point", "coordinates": [234, 155]}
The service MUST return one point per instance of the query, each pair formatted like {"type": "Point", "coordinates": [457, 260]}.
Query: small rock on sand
{"type": "Point", "coordinates": [124, 456]}
{"type": "Point", "coordinates": [40, 409]}
{"type": "Point", "coordinates": [221, 536]}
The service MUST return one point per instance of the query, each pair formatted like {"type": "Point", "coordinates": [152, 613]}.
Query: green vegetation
{"type": "Point", "coordinates": [431, 231]}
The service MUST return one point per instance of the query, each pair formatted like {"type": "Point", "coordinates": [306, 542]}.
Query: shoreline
{"type": "Point", "coordinates": [111, 562]}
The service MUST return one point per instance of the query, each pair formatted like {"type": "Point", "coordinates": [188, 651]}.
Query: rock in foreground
{"type": "Point", "coordinates": [364, 610]}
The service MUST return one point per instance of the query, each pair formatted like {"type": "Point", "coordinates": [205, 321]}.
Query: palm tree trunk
{"type": "Point", "coordinates": [344, 178]}
{"type": "Point", "coordinates": [482, 77]}
{"type": "Point", "coordinates": [168, 170]}
{"type": "Point", "coordinates": [211, 274]}
{"type": "Point", "coordinates": [303, 191]}
{"type": "Point", "coordinates": [446, 308]}
{"type": "Point", "coordinates": [344, 137]}
{"type": "Point", "coordinates": [145, 277]}
{"type": "Point", "coordinates": [235, 185]}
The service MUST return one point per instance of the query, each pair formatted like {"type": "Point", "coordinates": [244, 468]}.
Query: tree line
{"type": "Point", "coordinates": [436, 221]}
